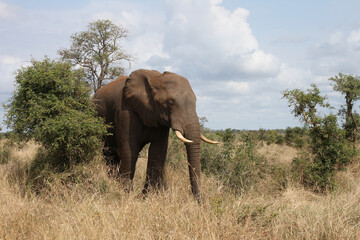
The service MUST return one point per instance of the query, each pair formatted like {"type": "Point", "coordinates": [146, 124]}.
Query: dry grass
{"type": "Point", "coordinates": [99, 208]}
{"type": "Point", "coordinates": [278, 153]}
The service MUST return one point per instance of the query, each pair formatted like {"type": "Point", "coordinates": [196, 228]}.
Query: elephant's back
{"type": "Point", "coordinates": [108, 96]}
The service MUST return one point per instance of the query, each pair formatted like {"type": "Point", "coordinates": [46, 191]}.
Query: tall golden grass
{"type": "Point", "coordinates": [94, 206]}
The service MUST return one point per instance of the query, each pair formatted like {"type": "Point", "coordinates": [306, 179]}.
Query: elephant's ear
{"type": "Point", "coordinates": [139, 95]}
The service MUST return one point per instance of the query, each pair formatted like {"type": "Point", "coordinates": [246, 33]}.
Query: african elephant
{"type": "Point", "coordinates": [141, 109]}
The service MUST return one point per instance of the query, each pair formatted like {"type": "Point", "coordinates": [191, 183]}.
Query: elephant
{"type": "Point", "coordinates": [141, 109]}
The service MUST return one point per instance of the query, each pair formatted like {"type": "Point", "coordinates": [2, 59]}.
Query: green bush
{"type": "Point", "coordinates": [5, 152]}
{"type": "Point", "coordinates": [329, 150]}
{"type": "Point", "coordinates": [52, 105]}
{"type": "Point", "coordinates": [296, 137]}
{"type": "Point", "coordinates": [237, 165]}
{"type": "Point", "coordinates": [176, 155]}
{"type": "Point", "coordinates": [246, 167]}
{"type": "Point", "coordinates": [45, 174]}
{"type": "Point", "coordinates": [280, 140]}
{"type": "Point", "coordinates": [270, 136]}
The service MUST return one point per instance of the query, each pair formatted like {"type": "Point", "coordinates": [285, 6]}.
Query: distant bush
{"type": "Point", "coordinates": [5, 153]}
{"type": "Point", "coordinates": [176, 155]}
{"type": "Point", "coordinates": [270, 136]}
{"type": "Point", "coordinates": [52, 105]}
{"type": "Point", "coordinates": [236, 163]}
{"type": "Point", "coordinates": [297, 137]}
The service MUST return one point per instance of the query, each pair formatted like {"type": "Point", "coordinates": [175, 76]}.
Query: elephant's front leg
{"type": "Point", "coordinates": [129, 154]}
{"type": "Point", "coordinates": [127, 137]}
{"type": "Point", "coordinates": [156, 161]}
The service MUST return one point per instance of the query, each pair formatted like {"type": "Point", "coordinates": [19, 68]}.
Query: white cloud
{"type": "Point", "coordinates": [340, 53]}
{"type": "Point", "coordinates": [336, 38]}
{"type": "Point", "coordinates": [291, 38]}
{"type": "Point", "coordinates": [7, 11]}
{"type": "Point", "coordinates": [10, 60]}
{"type": "Point", "coordinates": [238, 87]}
{"type": "Point", "coordinates": [103, 15]}
{"type": "Point", "coordinates": [203, 38]}
{"type": "Point", "coordinates": [290, 77]}
{"type": "Point", "coordinates": [8, 66]}
{"type": "Point", "coordinates": [354, 39]}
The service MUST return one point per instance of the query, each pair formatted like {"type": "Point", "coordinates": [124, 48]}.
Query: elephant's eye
{"type": "Point", "coordinates": [170, 102]}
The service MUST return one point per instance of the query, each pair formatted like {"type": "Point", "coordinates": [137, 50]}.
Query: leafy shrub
{"type": "Point", "coordinates": [5, 152]}
{"type": "Point", "coordinates": [329, 150]}
{"type": "Point", "coordinates": [296, 137]}
{"type": "Point", "coordinates": [246, 167]}
{"type": "Point", "coordinates": [73, 136]}
{"type": "Point", "coordinates": [45, 174]}
{"type": "Point", "coordinates": [237, 165]}
{"type": "Point", "coordinates": [52, 105]}
{"type": "Point", "coordinates": [176, 154]}
{"type": "Point", "coordinates": [270, 136]}
{"type": "Point", "coordinates": [280, 140]}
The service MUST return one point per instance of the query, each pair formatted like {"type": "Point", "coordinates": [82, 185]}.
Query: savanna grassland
{"type": "Point", "coordinates": [84, 203]}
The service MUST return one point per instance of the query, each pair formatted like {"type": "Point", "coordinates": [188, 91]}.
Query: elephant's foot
{"type": "Point", "coordinates": [154, 186]}
{"type": "Point", "coordinates": [199, 199]}
{"type": "Point", "coordinates": [113, 170]}
{"type": "Point", "coordinates": [127, 184]}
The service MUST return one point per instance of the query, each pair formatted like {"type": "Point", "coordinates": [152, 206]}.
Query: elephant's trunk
{"type": "Point", "coordinates": [192, 132]}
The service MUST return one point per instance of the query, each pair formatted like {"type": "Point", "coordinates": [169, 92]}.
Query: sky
{"type": "Point", "coordinates": [238, 55]}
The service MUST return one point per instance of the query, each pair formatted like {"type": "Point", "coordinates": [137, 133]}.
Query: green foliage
{"type": "Point", "coordinates": [297, 137]}
{"type": "Point", "coordinates": [46, 174]}
{"type": "Point", "coordinates": [328, 146]}
{"type": "Point", "coordinates": [202, 121]}
{"type": "Point", "coordinates": [247, 166]}
{"type": "Point", "coordinates": [349, 86]}
{"type": "Point", "coordinates": [237, 165]}
{"type": "Point", "coordinates": [305, 104]}
{"type": "Point", "coordinates": [228, 136]}
{"type": "Point", "coordinates": [5, 153]}
{"type": "Point", "coordinates": [271, 137]}
{"type": "Point", "coordinates": [73, 135]}
{"type": "Point", "coordinates": [176, 155]}
{"type": "Point", "coordinates": [52, 105]}
{"type": "Point", "coordinates": [98, 51]}
{"type": "Point", "coordinates": [330, 152]}
{"type": "Point", "coordinates": [328, 142]}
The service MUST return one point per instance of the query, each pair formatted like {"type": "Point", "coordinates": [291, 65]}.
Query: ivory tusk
{"type": "Point", "coordinates": [208, 140]}
{"type": "Point", "coordinates": [182, 138]}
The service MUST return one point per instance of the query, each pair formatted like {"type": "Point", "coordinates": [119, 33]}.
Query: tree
{"type": "Point", "coordinates": [202, 121]}
{"type": "Point", "coordinates": [349, 86]}
{"type": "Point", "coordinates": [328, 148]}
{"type": "Point", "coordinates": [98, 51]}
{"type": "Point", "coordinates": [305, 104]}
{"type": "Point", "coordinates": [52, 105]}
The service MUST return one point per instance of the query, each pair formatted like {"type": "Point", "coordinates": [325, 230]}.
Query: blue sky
{"type": "Point", "coordinates": [237, 54]}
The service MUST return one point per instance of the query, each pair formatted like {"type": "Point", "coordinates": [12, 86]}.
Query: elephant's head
{"type": "Point", "coordinates": [168, 100]}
